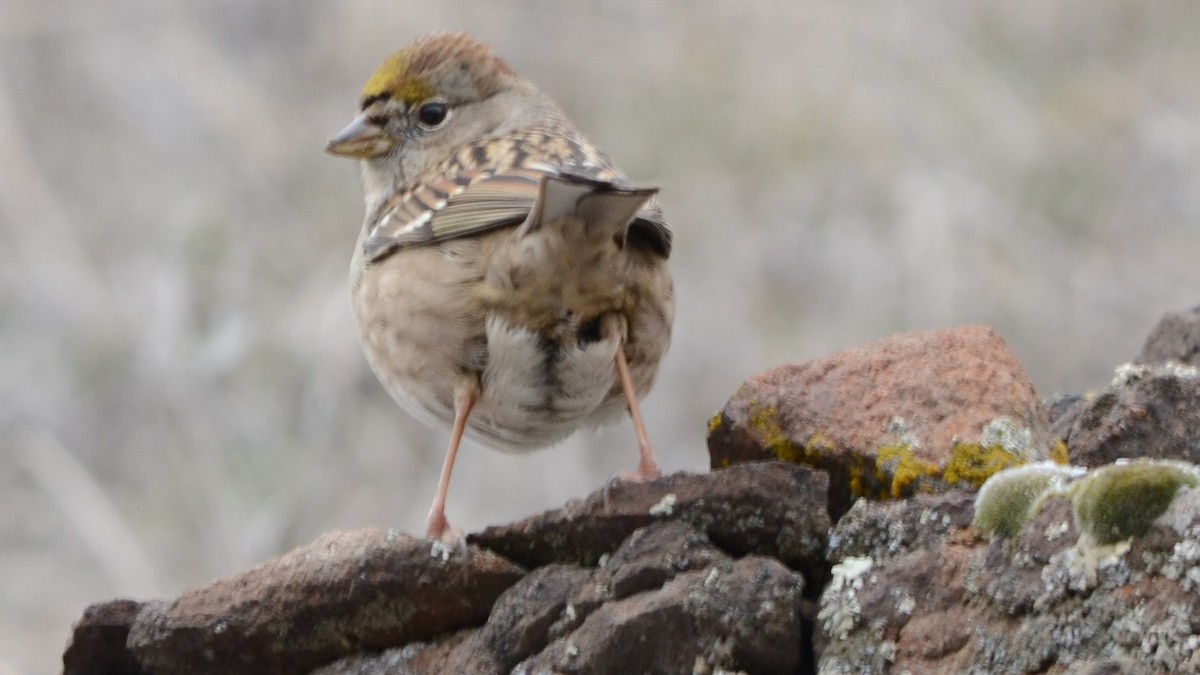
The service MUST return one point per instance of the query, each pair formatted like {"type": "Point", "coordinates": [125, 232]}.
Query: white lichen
{"type": "Point", "coordinates": [840, 609]}
{"type": "Point", "coordinates": [899, 427]}
{"type": "Point", "coordinates": [665, 506]}
{"type": "Point", "coordinates": [1008, 434]}
{"type": "Point", "coordinates": [1128, 373]}
{"type": "Point", "coordinates": [440, 549]}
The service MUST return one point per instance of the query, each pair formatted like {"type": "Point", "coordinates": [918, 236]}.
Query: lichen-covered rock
{"type": "Point", "coordinates": [1175, 339]}
{"type": "Point", "coordinates": [1147, 412]}
{"type": "Point", "coordinates": [911, 413]}
{"type": "Point", "coordinates": [881, 530]}
{"type": "Point", "coordinates": [1048, 599]}
{"type": "Point", "coordinates": [446, 654]}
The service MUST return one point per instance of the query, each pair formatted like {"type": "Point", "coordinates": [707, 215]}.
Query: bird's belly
{"type": "Point", "coordinates": [533, 391]}
{"type": "Point", "coordinates": [536, 391]}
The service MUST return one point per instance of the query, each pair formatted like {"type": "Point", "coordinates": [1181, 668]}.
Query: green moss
{"type": "Point", "coordinates": [1012, 497]}
{"type": "Point", "coordinates": [973, 463]}
{"type": "Point", "coordinates": [1122, 501]}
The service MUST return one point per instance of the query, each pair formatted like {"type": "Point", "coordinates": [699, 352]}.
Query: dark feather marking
{"type": "Point", "coordinates": [479, 155]}
{"type": "Point", "coordinates": [551, 356]}
{"type": "Point", "coordinates": [589, 331]}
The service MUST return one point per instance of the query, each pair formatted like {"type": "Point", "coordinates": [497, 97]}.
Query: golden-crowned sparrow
{"type": "Point", "coordinates": [507, 281]}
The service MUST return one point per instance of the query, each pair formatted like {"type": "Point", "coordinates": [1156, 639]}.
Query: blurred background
{"type": "Point", "coordinates": [182, 392]}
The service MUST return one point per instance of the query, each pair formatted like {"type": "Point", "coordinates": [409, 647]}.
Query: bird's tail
{"type": "Point", "coordinates": [601, 210]}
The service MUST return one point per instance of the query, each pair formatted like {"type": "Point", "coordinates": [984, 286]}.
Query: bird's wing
{"type": "Point", "coordinates": [470, 203]}
{"type": "Point", "coordinates": [466, 201]}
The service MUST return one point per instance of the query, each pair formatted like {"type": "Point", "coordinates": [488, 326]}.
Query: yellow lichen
{"type": "Point", "coordinates": [1059, 455]}
{"type": "Point", "coordinates": [973, 463]}
{"type": "Point", "coordinates": [819, 443]}
{"type": "Point", "coordinates": [714, 423]}
{"type": "Point", "coordinates": [764, 420]}
{"type": "Point", "coordinates": [901, 471]}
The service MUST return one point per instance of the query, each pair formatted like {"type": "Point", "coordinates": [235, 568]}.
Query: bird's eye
{"type": "Point", "coordinates": [432, 113]}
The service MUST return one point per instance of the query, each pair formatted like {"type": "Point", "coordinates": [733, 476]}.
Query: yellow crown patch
{"type": "Point", "coordinates": [394, 78]}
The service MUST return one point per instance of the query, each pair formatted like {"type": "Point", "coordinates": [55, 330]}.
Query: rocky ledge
{"type": "Point", "coordinates": [842, 530]}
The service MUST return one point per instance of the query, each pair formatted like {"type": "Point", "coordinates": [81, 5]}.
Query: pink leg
{"type": "Point", "coordinates": [647, 462]}
{"type": "Point", "coordinates": [436, 526]}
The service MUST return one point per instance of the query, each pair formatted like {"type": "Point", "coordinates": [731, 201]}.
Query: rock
{"type": "Point", "coordinates": [370, 602]}
{"type": "Point", "coordinates": [1046, 568]}
{"type": "Point", "coordinates": [666, 601]}
{"type": "Point", "coordinates": [1176, 338]}
{"type": "Point", "coordinates": [881, 530]}
{"type": "Point", "coordinates": [911, 413]}
{"type": "Point", "coordinates": [98, 641]}
{"type": "Point", "coordinates": [345, 592]}
{"type": "Point", "coordinates": [520, 622]}
{"type": "Point", "coordinates": [1148, 411]}
{"type": "Point", "coordinates": [650, 557]}
{"type": "Point", "coordinates": [439, 656]}
{"type": "Point", "coordinates": [1049, 599]}
{"type": "Point", "coordinates": [771, 509]}
{"type": "Point", "coordinates": [736, 616]}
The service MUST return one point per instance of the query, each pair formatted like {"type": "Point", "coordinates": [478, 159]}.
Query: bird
{"type": "Point", "coordinates": [508, 282]}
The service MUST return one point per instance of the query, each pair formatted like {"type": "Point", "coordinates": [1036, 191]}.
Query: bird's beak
{"type": "Point", "coordinates": [362, 138]}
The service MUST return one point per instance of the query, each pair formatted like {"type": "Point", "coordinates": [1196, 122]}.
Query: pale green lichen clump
{"type": "Point", "coordinates": [1117, 502]}
{"type": "Point", "coordinates": [1110, 504]}
{"type": "Point", "coordinates": [1010, 498]}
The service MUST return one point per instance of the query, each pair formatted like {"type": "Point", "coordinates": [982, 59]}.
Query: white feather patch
{"type": "Point", "coordinates": [525, 405]}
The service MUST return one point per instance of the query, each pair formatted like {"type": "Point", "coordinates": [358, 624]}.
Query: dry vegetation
{"type": "Point", "coordinates": [181, 392]}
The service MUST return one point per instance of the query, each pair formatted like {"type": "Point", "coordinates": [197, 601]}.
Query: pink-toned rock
{"type": "Point", "coordinates": [345, 592]}
{"type": "Point", "coordinates": [915, 412]}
